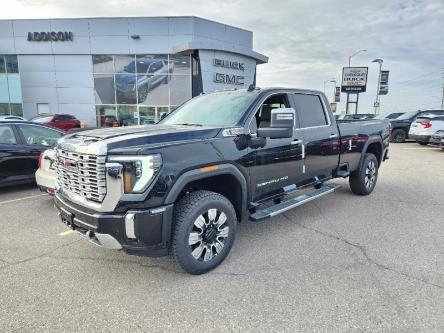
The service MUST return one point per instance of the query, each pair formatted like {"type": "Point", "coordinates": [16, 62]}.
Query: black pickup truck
{"type": "Point", "coordinates": [183, 185]}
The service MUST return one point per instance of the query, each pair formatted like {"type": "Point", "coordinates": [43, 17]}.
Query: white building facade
{"type": "Point", "coordinates": [119, 71]}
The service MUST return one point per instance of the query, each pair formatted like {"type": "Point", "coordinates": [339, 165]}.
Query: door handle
{"type": "Point", "coordinates": [296, 142]}
{"type": "Point", "coordinates": [333, 135]}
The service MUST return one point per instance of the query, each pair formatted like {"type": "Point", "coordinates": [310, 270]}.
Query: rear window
{"type": "Point", "coordinates": [422, 120]}
{"type": "Point", "coordinates": [40, 119]}
{"type": "Point", "coordinates": [310, 110]}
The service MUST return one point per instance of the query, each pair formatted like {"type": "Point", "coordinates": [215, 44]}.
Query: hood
{"type": "Point", "coordinates": [100, 141]}
{"type": "Point", "coordinates": [125, 78]}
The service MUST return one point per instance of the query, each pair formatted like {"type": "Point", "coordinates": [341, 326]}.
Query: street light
{"type": "Point", "coordinates": [351, 56]}
{"type": "Point", "coordinates": [377, 99]}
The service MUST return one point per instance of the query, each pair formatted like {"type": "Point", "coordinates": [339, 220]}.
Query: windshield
{"type": "Point", "coordinates": [40, 119]}
{"type": "Point", "coordinates": [214, 110]}
{"type": "Point", "coordinates": [382, 116]}
{"type": "Point", "coordinates": [407, 115]}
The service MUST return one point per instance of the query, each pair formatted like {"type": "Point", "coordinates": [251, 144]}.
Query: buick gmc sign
{"type": "Point", "coordinates": [62, 36]}
{"type": "Point", "coordinates": [229, 78]}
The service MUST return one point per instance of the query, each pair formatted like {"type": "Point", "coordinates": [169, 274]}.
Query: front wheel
{"type": "Point", "coordinates": [204, 232]}
{"type": "Point", "coordinates": [363, 181]}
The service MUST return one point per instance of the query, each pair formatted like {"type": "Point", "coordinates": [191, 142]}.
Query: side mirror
{"type": "Point", "coordinates": [281, 124]}
{"type": "Point", "coordinates": [163, 115]}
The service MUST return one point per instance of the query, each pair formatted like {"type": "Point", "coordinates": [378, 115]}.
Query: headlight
{"type": "Point", "coordinates": [138, 171]}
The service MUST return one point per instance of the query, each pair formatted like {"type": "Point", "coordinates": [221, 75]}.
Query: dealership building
{"type": "Point", "coordinates": [119, 71]}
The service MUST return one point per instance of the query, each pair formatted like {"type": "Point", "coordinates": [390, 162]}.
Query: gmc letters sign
{"type": "Point", "coordinates": [62, 36]}
{"type": "Point", "coordinates": [229, 78]}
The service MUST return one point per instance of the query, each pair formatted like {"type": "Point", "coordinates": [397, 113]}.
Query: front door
{"type": "Point", "coordinates": [277, 162]}
{"type": "Point", "coordinates": [13, 156]}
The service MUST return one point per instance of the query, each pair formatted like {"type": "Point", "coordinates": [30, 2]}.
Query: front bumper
{"type": "Point", "coordinates": [139, 232]}
{"type": "Point", "coordinates": [421, 138]}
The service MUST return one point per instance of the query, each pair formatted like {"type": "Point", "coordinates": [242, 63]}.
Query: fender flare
{"type": "Point", "coordinates": [372, 139]}
{"type": "Point", "coordinates": [197, 174]}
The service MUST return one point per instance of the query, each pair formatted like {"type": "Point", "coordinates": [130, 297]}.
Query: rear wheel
{"type": "Point", "coordinates": [363, 181]}
{"type": "Point", "coordinates": [398, 136]}
{"type": "Point", "coordinates": [205, 228]}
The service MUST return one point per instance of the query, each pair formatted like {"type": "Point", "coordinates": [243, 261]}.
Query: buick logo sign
{"type": "Point", "coordinates": [62, 36]}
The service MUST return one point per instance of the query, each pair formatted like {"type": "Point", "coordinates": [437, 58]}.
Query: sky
{"type": "Point", "coordinates": [308, 41]}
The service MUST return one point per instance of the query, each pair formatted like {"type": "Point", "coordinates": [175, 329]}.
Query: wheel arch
{"type": "Point", "coordinates": [224, 179]}
{"type": "Point", "coordinates": [375, 146]}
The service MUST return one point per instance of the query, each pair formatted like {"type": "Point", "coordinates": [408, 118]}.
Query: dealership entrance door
{"type": "Point", "coordinates": [129, 115]}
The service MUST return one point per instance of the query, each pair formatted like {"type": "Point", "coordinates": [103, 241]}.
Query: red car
{"type": "Point", "coordinates": [63, 121]}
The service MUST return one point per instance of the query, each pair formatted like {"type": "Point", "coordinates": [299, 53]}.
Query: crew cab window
{"type": "Point", "coordinates": [310, 110]}
{"type": "Point", "coordinates": [37, 135]}
{"type": "Point", "coordinates": [7, 136]}
{"type": "Point", "coordinates": [263, 114]}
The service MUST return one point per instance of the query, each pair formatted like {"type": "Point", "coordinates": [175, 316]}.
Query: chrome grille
{"type": "Point", "coordinates": [81, 174]}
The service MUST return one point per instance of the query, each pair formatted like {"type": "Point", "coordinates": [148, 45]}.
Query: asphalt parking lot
{"type": "Point", "coordinates": [342, 263]}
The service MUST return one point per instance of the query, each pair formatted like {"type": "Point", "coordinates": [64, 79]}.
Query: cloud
{"type": "Point", "coordinates": [308, 41]}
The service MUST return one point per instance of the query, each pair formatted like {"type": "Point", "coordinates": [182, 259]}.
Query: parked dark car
{"type": "Point", "coordinates": [401, 125]}
{"type": "Point", "coordinates": [21, 144]}
{"type": "Point", "coordinates": [181, 186]}
{"type": "Point", "coordinates": [61, 121]}
{"type": "Point", "coordinates": [437, 139]}
{"type": "Point", "coordinates": [389, 115]}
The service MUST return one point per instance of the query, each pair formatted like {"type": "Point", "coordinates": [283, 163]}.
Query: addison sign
{"type": "Point", "coordinates": [62, 36]}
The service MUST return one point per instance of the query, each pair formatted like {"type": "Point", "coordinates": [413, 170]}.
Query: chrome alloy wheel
{"type": "Point", "coordinates": [208, 235]}
{"type": "Point", "coordinates": [370, 175]}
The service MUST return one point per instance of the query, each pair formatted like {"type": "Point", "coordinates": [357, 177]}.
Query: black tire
{"type": "Point", "coordinates": [192, 211]}
{"type": "Point", "coordinates": [422, 143]}
{"type": "Point", "coordinates": [363, 181]}
{"type": "Point", "coordinates": [398, 135]}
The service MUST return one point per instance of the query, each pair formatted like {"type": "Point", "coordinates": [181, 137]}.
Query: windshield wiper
{"type": "Point", "coordinates": [188, 124]}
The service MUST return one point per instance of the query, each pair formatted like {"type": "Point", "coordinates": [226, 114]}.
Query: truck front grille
{"type": "Point", "coordinates": [81, 174]}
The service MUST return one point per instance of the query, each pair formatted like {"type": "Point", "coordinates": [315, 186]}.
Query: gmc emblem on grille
{"type": "Point", "coordinates": [68, 164]}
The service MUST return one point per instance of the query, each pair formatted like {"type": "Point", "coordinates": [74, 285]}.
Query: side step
{"type": "Point", "coordinates": [262, 214]}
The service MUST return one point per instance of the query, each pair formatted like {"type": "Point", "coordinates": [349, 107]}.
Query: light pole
{"type": "Point", "coordinates": [348, 95]}
{"type": "Point", "coordinates": [377, 99]}
{"type": "Point", "coordinates": [327, 81]}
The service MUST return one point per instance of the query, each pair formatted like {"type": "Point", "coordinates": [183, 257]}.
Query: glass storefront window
{"type": "Point", "coordinates": [180, 64]}
{"type": "Point", "coordinates": [104, 89]}
{"type": "Point", "coordinates": [125, 115]}
{"type": "Point", "coordinates": [126, 88]}
{"type": "Point", "coordinates": [149, 83]}
{"type": "Point", "coordinates": [11, 64]}
{"type": "Point", "coordinates": [103, 64]}
{"type": "Point", "coordinates": [180, 89]}
{"type": "Point", "coordinates": [16, 110]}
{"type": "Point", "coordinates": [106, 115]}
{"type": "Point", "coordinates": [4, 109]}
{"type": "Point", "coordinates": [125, 64]}
{"type": "Point", "coordinates": [147, 115]}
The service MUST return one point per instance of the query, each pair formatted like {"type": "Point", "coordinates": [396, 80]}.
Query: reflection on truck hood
{"type": "Point", "coordinates": [136, 136]}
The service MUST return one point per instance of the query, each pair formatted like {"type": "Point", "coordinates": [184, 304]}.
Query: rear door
{"type": "Point", "coordinates": [320, 136]}
{"type": "Point", "coordinates": [13, 155]}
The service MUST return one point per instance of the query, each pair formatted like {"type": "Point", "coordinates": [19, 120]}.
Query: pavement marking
{"type": "Point", "coordinates": [66, 233]}
{"type": "Point", "coordinates": [20, 199]}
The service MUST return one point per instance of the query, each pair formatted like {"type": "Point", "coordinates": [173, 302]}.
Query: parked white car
{"type": "Point", "coordinates": [424, 127]}
{"type": "Point", "coordinates": [45, 175]}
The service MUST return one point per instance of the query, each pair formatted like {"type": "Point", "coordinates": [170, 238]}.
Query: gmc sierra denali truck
{"type": "Point", "coordinates": [182, 186]}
